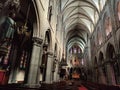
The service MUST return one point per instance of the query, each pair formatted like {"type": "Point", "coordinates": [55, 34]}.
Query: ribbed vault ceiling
{"type": "Point", "coordinates": [79, 19]}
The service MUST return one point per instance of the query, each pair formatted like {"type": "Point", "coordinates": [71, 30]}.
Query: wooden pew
{"type": "Point", "coordinates": [95, 86]}
{"type": "Point", "coordinates": [59, 85]}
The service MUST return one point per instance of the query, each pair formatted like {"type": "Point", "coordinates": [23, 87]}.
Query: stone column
{"type": "Point", "coordinates": [56, 76]}
{"type": "Point", "coordinates": [110, 74]}
{"type": "Point", "coordinates": [102, 77]}
{"type": "Point", "coordinates": [49, 68]}
{"type": "Point", "coordinates": [34, 70]}
{"type": "Point", "coordinates": [13, 72]}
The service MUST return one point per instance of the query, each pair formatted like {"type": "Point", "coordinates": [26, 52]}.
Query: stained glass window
{"type": "Point", "coordinates": [23, 60]}
{"type": "Point", "coordinates": [108, 26]}
{"type": "Point", "coordinates": [4, 59]}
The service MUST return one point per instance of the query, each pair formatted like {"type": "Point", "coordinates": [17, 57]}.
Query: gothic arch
{"type": "Point", "coordinates": [46, 50]}
{"type": "Point", "coordinates": [36, 32]}
{"type": "Point", "coordinates": [110, 51]}
{"type": "Point", "coordinates": [103, 72]}
{"type": "Point", "coordinates": [110, 55]}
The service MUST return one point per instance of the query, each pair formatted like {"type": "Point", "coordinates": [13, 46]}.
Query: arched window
{"type": "Point", "coordinates": [23, 60]}
{"type": "Point", "coordinates": [99, 35]}
{"type": "Point", "coordinates": [75, 50]}
{"type": "Point", "coordinates": [108, 26]}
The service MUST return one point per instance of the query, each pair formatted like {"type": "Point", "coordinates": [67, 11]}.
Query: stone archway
{"type": "Point", "coordinates": [102, 69]}
{"type": "Point", "coordinates": [47, 58]}
{"type": "Point", "coordinates": [45, 55]}
{"type": "Point", "coordinates": [110, 55]}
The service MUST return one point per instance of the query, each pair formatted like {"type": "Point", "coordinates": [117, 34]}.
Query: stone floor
{"type": "Point", "coordinates": [61, 85]}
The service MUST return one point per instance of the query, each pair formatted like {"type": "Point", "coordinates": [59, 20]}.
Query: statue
{"type": "Point", "coordinates": [8, 29]}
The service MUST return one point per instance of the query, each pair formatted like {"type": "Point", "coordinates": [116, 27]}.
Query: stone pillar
{"type": "Point", "coordinates": [34, 70]}
{"type": "Point", "coordinates": [56, 76]}
{"type": "Point", "coordinates": [13, 72]}
{"type": "Point", "coordinates": [110, 74]}
{"type": "Point", "coordinates": [102, 77]}
{"type": "Point", "coordinates": [49, 68]}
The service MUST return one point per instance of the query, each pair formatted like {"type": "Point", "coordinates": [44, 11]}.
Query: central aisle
{"type": "Point", "coordinates": [82, 88]}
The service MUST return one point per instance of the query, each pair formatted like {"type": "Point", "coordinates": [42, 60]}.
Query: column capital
{"type": "Point", "coordinates": [50, 53]}
{"type": "Point", "coordinates": [37, 40]}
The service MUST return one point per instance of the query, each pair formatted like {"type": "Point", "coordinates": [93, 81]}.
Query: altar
{"type": "Point", "coordinates": [76, 76]}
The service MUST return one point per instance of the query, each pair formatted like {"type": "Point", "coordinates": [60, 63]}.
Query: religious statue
{"type": "Point", "coordinates": [8, 29]}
